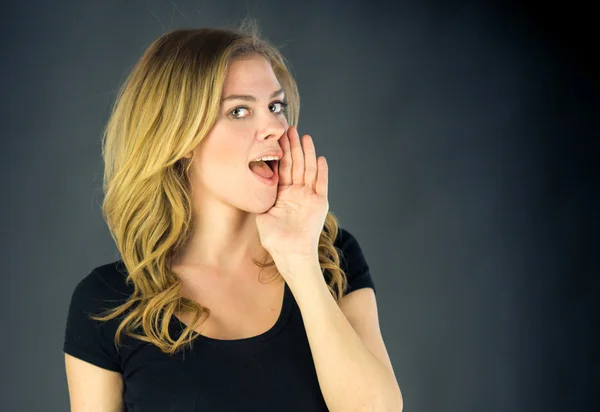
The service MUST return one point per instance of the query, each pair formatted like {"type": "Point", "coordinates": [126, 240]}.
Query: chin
{"type": "Point", "coordinates": [265, 208]}
{"type": "Point", "coordinates": [263, 205]}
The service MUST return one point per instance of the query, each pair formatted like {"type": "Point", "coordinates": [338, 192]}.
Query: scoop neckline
{"type": "Point", "coordinates": [282, 319]}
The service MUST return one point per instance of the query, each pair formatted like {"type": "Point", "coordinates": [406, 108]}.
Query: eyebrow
{"type": "Point", "coordinates": [248, 97]}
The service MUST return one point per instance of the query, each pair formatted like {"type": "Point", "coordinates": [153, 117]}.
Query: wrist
{"type": "Point", "coordinates": [302, 268]}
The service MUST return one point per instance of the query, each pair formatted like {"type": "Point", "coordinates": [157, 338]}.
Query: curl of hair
{"type": "Point", "coordinates": [169, 101]}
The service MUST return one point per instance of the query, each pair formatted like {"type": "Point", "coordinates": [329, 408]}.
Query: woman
{"type": "Point", "coordinates": [185, 321]}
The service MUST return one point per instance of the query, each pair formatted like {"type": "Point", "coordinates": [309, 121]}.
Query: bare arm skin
{"type": "Point", "coordinates": [93, 389]}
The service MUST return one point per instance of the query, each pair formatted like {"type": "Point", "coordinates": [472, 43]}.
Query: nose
{"type": "Point", "coordinates": [273, 128]}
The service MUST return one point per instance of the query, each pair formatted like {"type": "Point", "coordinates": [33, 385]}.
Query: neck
{"type": "Point", "coordinates": [222, 237]}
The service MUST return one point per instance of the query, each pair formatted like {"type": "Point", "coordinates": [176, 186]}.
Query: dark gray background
{"type": "Point", "coordinates": [461, 140]}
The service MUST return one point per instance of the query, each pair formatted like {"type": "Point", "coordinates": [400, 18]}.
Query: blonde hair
{"type": "Point", "coordinates": [166, 106]}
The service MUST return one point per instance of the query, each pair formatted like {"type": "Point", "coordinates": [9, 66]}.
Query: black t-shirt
{"type": "Point", "coordinates": [273, 371]}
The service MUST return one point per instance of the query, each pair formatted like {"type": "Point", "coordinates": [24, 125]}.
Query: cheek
{"type": "Point", "coordinates": [223, 161]}
{"type": "Point", "coordinates": [226, 150]}
{"type": "Point", "coordinates": [220, 146]}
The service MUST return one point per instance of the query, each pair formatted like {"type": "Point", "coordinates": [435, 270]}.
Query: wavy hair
{"type": "Point", "coordinates": [166, 106]}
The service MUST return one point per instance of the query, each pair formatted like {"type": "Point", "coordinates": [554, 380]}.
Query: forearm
{"type": "Point", "coordinates": [351, 378]}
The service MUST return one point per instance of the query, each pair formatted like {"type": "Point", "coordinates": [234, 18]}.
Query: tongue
{"type": "Point", "coordinates": [261, 169]}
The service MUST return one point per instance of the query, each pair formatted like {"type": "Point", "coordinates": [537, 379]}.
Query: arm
{"type": "Point", "coordinates": [91, 388]}
{"type": "Point", "coordinates": [354, 371]}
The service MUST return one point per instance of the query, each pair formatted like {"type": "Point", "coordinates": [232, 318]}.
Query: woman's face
{"type": "Point", "coordinates": [245, 129]}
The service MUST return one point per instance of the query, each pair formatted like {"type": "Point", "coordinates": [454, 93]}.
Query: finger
{"type": "Point", "coordinates": [310, 161]}
{"type": "Point", "coordinates": [285, 163]}
{"type": "Point", "coordinates": [322, 177]}
{"type": "Point", "coordinates": [297, 157]}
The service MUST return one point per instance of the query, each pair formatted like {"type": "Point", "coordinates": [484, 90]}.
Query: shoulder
{"type": "Point", "coordinates": [86, 338]}
{"type": "Point", "coordinates": [353, 261]}
{"type": "Point", "coordinates": [344, 238]}
{"type": "Point", "coordinates": [103, 287]}
{"type": "Point", "coordinates": [351, 251]}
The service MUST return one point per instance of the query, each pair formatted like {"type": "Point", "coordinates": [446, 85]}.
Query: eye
{"type": "Point", "coordinates": [282, 104]}
{"type": "Point", "coordinates": [234, 110]}
{"type": "Point", "coordinates": [233, 113]}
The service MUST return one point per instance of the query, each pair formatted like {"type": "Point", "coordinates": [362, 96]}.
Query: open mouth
{"type": "Point", "coordinates": [271, 163]}
{"type": "Point", "coordinates": [267, 170]}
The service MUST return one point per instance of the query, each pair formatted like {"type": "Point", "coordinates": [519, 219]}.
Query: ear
{"type": "Point", "coordinates": [188, 155]}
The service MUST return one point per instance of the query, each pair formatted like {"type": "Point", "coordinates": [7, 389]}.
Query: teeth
{"type": "Point", "coordinates": [266, 158]}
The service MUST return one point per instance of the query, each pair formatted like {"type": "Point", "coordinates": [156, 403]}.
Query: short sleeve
{"type": "Point", "coordinates": [86, 338]}
{"type": "Point", "coordinates": [353, 262]}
